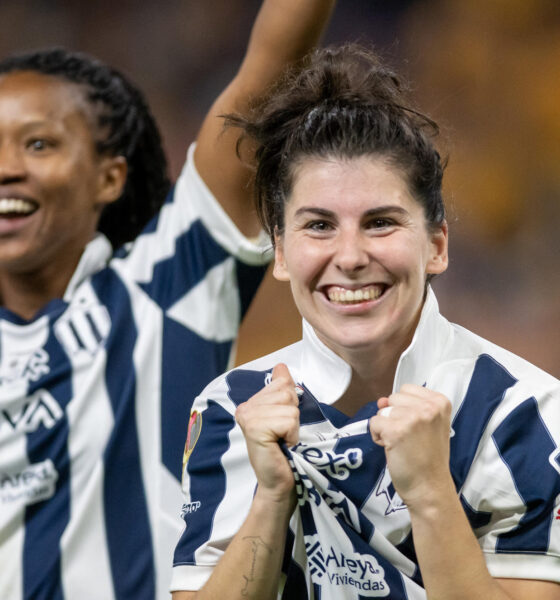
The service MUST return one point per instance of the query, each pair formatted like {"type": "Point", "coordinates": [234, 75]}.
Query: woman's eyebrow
{"type": "Point", "coordinates": [372, 212]}
{"type": "Point", "coordinates": [382, 210]}
{"type": "Point", "coordinates": [322, 212]}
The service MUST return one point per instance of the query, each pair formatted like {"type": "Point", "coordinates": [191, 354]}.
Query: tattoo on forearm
{"type": "Point", "coordinates": [257, 548]}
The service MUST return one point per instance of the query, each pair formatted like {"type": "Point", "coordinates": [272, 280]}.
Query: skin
{"type": "Point", "coordinates": [284, 31]}
{"type": "Point", "coordinates": [355, 225]}
{"type": "Point", "coordinates": [48, 159]}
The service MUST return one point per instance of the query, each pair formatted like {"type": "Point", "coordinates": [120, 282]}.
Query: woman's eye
{"type": "Point", "coordinates": [380, 223]}
{"type": "Point", "coordinates": [38, 144]}
{"type": "Point", "coordinates": [319, 226]}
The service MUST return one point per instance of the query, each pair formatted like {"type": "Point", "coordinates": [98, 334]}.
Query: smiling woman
{"type": "Point", "coordinates": [383, 455]}
{"type": "Point", "coordinates": [54, 184]}
{"type": "Point", "coordinates": [120, 298]}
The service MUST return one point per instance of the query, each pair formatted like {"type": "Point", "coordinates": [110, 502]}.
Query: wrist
{"type": "Point", "coordinates": [430, 498]}
{"type": "Point", "coordinates": [274, 504]}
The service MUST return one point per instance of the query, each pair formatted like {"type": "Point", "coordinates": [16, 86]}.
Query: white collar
{"type": "Point", "coordinates": [327, 375]}
{"type": "Point", "coordinates": [95, 256]}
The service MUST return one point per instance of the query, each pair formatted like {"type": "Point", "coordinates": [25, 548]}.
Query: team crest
{"type": "Point", "coordinates": [195, 425]}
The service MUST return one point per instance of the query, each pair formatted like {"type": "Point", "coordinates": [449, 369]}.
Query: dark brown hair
{"type": "Point", "coordinates": [344, 104]}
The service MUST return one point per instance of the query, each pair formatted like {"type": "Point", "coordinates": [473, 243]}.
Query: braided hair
{"type": "Point", "coordinates": [345, 103]}
{"type": "Point", "coordinates": [129, 130]}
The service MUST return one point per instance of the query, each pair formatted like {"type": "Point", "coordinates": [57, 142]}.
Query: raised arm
{"type": "Point", "coordinates": [284, 31]}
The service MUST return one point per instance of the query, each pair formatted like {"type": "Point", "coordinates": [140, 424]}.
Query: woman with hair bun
{"type": "Point", "coordinates": [121, 298]}
{"type": "Point", "coordinates": [389, 453]}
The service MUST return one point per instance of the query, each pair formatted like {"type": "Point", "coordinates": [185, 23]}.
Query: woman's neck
{"type": "Point", "coordinates": [370, 381]}
{"type": "Point", "coordinates": [26, 293]}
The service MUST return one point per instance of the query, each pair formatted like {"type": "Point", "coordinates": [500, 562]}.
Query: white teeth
{"type": "Point", "coordinates": [15, 206]}
{"type": "Point", "coordinates": [346, 296]}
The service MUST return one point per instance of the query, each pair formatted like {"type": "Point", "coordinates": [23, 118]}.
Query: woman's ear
{"type": "Point", "coordinates": [280, 270]}
{"type": "Point", "coordinates": [111, 179]}
{"type": "Point", "coordinates": [438, 258]}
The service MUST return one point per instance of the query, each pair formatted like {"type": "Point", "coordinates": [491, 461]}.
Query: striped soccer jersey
{"type": "Point", "coordinates": [95, 393]}
{"type": "Point", "coordinates": [350, 536]}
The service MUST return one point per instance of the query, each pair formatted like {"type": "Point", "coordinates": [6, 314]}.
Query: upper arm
{"type": "Point", "coordinates": [284, 31]}
{"type": "Point", "coordinates": [522, 589]}
{"type": "Point", "coordinates": [183, 595]}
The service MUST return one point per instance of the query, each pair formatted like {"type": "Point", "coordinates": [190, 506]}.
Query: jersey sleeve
{"type": "Point", "coordinates": [192, 255]}
{"type": "Point", "coordinates": [512, 493]}
{"type": "Point", "coordinates": [218, 486]}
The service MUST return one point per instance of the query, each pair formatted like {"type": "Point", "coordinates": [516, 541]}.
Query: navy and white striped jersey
{"type": "Point", "coordinates": [350, 536]}
{"type": "Point", "coordinates": [95, 393]}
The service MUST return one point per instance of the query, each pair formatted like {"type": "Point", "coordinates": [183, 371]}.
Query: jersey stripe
{"type": "Point", "coordinates": [213, 443]}
{"type": "Point", "coordinates": [249, 278]}
{"type": "Point", "coordinates": [47, 519]}
{"type": "Point", "coordinates": [205, 359]}
{"type": "Point", "coordinates": [523, 429]}
{"type": "Point", "coordinates": [487, 387]}
{"type": "Point", "coordinates": [124, 499]}
{"type": "Point", "coordinates": [196, 252]}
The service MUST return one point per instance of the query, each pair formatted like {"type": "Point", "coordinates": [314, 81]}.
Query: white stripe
{"type": "Point", "coordinates": [13, 461]}
{"type": "Point", "coordinates": [85, 556]}
{"type": "Point", "coordinates": [192, 200]}
{"type": "Point", "coordinates": [212, 308]}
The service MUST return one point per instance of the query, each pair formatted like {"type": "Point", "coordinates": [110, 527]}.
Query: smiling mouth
{"type": "Point", "coordinates": [16, 207]}
{"type": "Point", "coordinates": [340, 295]}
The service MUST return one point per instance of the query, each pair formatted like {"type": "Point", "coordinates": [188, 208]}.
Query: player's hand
{"type": "Point", "coordinates": [413, 425]}
{"type": "Point", "coordinates": [266, 418]}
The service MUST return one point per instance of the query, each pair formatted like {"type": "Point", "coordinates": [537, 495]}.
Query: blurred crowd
{"type": "Point", "coordinates": [486, 71]}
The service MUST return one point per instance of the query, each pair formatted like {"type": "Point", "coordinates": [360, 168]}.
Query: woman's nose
{"type": "Point", "coordinates": [11, 164]}
{"type": "Point", "coordinates": [351, 252]}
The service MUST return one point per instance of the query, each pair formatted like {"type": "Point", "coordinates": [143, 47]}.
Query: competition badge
{"type": "Point", "coordinates": [195, 425]}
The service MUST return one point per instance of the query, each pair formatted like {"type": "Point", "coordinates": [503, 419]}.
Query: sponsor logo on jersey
{"type": "Point", "coordinates": [385, 490]}
{"type": "Point", "coordinates": [337, 502]}
{"type": "Point", "coordinates": [193, 432]}
{"type": "Point", "coordinates": [189, 508]}
{"type": "Point", "coordinates": [353, 571]}
{"type": "Point", "coordinates": [83, 331]}
{"type": "Point", "coordinates": [335, 465]}
{"type": "Point", "coordinates": [25, 366]}
{"type": "Point", "coordinates": [35, 483]}
{"type": "Point", "coordinates": [40, 409]}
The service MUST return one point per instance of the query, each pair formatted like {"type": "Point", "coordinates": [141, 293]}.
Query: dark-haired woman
{"type": "Point", "coordinates": [389, 453]}
{"type": "Point", "coordinates": [103, 342]}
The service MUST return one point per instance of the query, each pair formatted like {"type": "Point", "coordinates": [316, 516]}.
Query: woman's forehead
{"type": "Point", "coordinates": [40, 95]}
{"type": "Point", "coordinates": [364, 179]}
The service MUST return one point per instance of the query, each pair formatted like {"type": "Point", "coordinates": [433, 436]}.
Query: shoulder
{"type": "Point", "coordinates": [239, 384]}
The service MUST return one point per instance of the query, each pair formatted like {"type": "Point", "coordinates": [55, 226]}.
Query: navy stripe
{"type": "Point", "coordinates": [357, 487]}
{"type": "Point", "coordinates": [406, 547]}
{"type": "Point", "coordinates": [243, 384]}
{"type": "Point", "coordinates": [477, 518]}
{"type": "Point", "coordinates": [249, 277]}
{"type": "Point", "coordinates": [189, 362]}
{"type": "Point", "coordinates": [46, 521]}
{"type": "Point", "coordinates": [196, 252]}
{"type": "Point", "coordinates": [207, 480]}
{"type": "Point", "coordinates": [525, 445]}
{"type": "Point", "coordinates": [96, 334]}
{"type": "Point", "coordinates": [126, 512]}
{"type": "Point", "coordinates": [296, 587]}
{"type": "Point", "coordinates": [487, 387]}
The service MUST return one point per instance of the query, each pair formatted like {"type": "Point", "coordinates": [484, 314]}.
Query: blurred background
{"type": "Point", "coordinates": [486, 70]}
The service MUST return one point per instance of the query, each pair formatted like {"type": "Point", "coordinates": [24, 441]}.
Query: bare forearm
{"type": "Point", "coordinates": [450, 559]}
{"type": "Point", "coordinates": [284, 32]}
{"type": "Point", "coordinates": [251, 566]}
